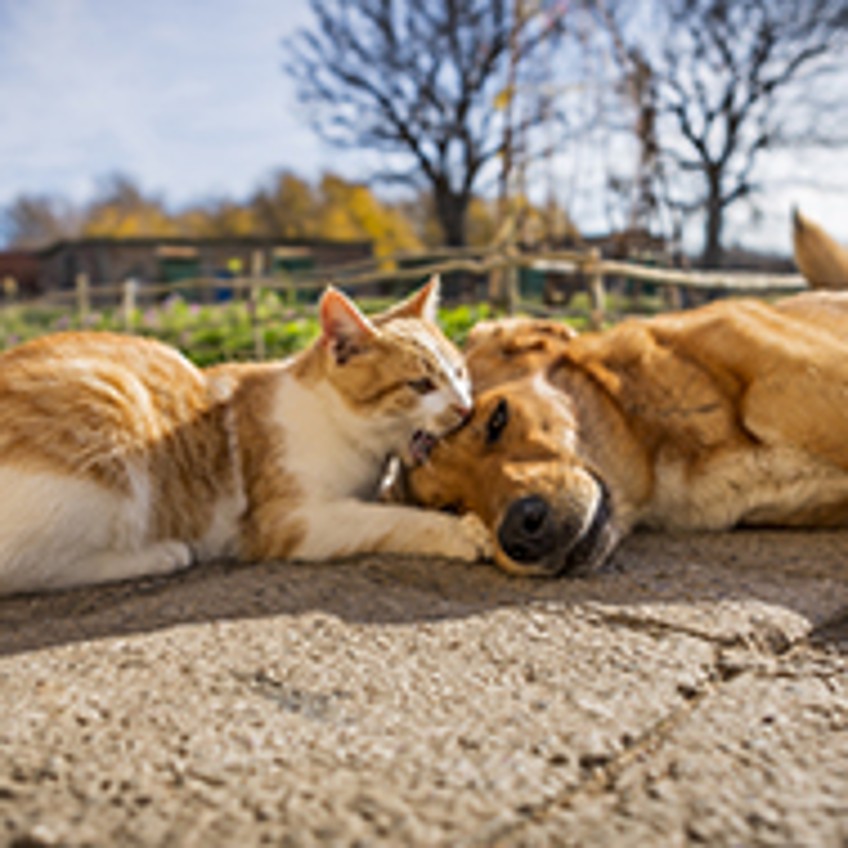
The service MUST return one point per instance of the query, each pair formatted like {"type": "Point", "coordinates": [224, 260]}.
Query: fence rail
{"type": "Point", "coordinates": [582, 269]}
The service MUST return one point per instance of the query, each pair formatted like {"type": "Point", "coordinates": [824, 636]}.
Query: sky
{"type": "Point", "coordinates": [189, 98]}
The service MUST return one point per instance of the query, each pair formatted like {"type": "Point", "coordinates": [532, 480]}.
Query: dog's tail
{"type": "Point", "coordinates": [821, 259]}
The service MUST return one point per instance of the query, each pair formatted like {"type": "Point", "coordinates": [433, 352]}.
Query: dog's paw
{"type": "Point", "coordinates": [474, 541]}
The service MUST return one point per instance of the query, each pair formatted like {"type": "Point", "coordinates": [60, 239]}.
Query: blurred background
{"type": "Point", "coordinates": [675, 132]}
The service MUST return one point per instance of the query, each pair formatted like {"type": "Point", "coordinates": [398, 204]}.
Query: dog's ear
{"type": "Point", "coordinates": [518, 335]}
{"type": "Point", "coordinates": [421, 304]}
{"type": "Point", "coordinates": [483, 332]}
{"type": "Point", "coordinates": [344, 329]}
{"type": "Point", "coordinates": [499, 351]}
{"type": "Point", "coordinates": [555, 329]}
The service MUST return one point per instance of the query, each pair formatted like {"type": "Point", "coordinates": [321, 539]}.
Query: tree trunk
{"type": "Point", "coordinates": [713, 251]}
{"type": "Point", "coordinates": [451, 209]}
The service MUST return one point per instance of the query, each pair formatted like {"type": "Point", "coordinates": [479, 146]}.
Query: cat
{"type": "Point", "coordinates": [119, 458]}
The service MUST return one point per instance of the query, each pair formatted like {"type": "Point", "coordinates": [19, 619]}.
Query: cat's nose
{"type": "Point", "coordinates": [463, 411]}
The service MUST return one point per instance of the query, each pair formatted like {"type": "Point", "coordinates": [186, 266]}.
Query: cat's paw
{"type": "Point", "coordinates": [168, 557]}
{"type": "Point", "coordinates": [473, 539]}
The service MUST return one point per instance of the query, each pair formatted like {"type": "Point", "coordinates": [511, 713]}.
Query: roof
{"type": "Point", "coordinates": [186, 241]}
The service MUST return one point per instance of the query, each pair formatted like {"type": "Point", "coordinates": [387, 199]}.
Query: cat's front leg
{"type": "Point", "coordinates": [345, 527]}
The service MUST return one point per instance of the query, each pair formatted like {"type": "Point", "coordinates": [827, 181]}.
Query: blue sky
{"type": "Point", "coordinates": [189, 98]}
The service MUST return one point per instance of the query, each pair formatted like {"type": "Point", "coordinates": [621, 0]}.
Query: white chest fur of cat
{"type": "Point", "coordinates": [119, 458]}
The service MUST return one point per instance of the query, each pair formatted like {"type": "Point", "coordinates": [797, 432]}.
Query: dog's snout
{"type": "Point", "coordinates": [528, 532]}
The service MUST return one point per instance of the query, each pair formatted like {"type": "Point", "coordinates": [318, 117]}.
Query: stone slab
{"type": "Point", "coordinates": [392, 701]}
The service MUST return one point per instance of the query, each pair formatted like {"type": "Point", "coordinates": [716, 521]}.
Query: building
{"type": "Point", "coordinates": [107, 261]}
{"type": "Point", "coordinates": [19, 270]}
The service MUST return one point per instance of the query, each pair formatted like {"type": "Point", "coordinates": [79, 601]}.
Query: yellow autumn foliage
{"type": "Point", "coordinates": [350, 210]}
{"type": "Point", "coordinates": [111, 221]}
{"type": "Point", "coordinates": [288, 206]}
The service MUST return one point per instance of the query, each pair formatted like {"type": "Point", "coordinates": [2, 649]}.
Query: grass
{"type": "Point", "coordinates": [226, 331]}
{"type": "Point", "coordinates": [209, 333]}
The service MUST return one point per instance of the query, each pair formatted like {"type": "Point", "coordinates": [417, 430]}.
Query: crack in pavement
{"type": "Point", "coordinates": [602, 776]}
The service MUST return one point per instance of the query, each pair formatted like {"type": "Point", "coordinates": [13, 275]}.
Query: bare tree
{"type": "Point", "coordinates": [420, 84]}
{"type": "Point", "coordinates": [33, 221]}
{"type": "Point", "coordinates": [729, 81]}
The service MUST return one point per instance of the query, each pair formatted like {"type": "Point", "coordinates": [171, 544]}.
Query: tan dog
{"type": "Point", "coordinates": [732, 414]}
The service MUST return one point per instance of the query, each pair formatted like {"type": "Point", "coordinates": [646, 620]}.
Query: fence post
{"type": "Point", "coordinates": [10, 289]}
{"type": "Point", "coordinates": [256, 270]}
{"type": "Point", "coordinates": [128, 301]}
{"type": "Point", "coordinates": [674, 297]}
{"type": "Point", "coordinates": [503, 282]}
{"type": "Point", "coordinates": [513, 286]}
{"type": "Point", "coordinates": [597, 295]}
{"type": "Point", "coordinates": [289, 290]}
{"type": "Point", "coordinates": [83, 300]}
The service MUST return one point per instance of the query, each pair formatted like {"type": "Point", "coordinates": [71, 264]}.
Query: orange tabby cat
{"type": "Point", "coordinates": [119, 458]}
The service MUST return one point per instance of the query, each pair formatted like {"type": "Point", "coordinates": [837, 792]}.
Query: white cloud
{"type": "Point", "coordinates": [189, 97]}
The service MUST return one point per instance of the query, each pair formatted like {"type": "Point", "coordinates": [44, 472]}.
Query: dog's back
{"type": "Point", "coordinates": [823, 310]}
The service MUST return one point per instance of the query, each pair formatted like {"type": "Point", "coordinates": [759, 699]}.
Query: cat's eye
{"type": "Point", "coordinates": [497, 422]}
{"type": "Point", "coordinates": [423, 385]}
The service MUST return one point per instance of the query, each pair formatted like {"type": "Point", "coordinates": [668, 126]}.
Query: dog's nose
{"type": "Point", "coordinates": [528, 531]}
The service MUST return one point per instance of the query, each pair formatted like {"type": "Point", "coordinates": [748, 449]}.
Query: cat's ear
{"type": "Point", "coordinates": [344, 329]}
{"type": "Point", "coordinates": [421, 304]}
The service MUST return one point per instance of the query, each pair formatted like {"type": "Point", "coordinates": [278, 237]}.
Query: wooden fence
{"type": "Point", "coordinates": [585, 269]}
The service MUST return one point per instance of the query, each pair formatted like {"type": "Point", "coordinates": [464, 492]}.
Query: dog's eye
{"type": "Point", "coordinates": [497, 422]}
{"type": "Point", "coordinates": [453, 508]}
{"type": "Point", "coordinates": [423, 385]}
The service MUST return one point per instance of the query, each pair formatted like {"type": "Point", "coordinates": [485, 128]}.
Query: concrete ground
{"type": "Point", "coordinates": [694, 693]}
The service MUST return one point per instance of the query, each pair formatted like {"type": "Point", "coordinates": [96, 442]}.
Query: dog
{"type": "Point", "coordinates": [733, 414]}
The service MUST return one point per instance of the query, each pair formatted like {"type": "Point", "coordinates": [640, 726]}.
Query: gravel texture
{"type": "Point", "coordinates": [696, 692]}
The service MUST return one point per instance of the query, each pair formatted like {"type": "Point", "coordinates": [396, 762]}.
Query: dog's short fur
{"type": "Point", "coordinates": [732, 414]}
